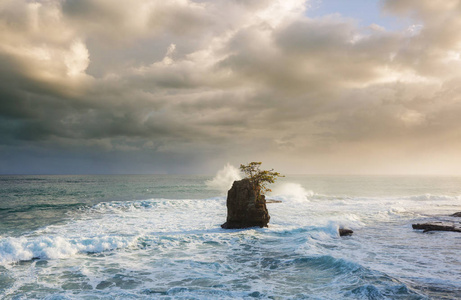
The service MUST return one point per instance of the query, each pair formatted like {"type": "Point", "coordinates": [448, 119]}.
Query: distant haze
{"type": "Point", "coordinates": [185, 86]}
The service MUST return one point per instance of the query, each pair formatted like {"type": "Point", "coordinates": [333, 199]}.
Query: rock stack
{"type": "Point", "coordinates": [245, 208]}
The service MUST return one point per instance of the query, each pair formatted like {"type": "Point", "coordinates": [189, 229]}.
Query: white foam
{"type": "Point", "coordinates": [174, 240]}
{"type": "Point", "coordinates": [115, 225]}
{"type": "Point", "coordinates": [431, 197]}
{"type": "Point", "coordinates": [293, 192]}
{"type": "Point", "coordinates": [223, 180]}
{"type": "Point", "coordinates": [54, 247]}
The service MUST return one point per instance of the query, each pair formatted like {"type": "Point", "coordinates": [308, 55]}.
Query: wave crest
{"type": "Point", "coordinates": [55, 247]}
{"type": "Point", "coordinates": [431, 197]}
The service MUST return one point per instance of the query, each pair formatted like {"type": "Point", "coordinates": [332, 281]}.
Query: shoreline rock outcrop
{"type": "Point", "coordinates": [437, 226]}
{"type": "Point", "coordinates": [244, 208]}
{"type": "Point", "coordinates": [440, 226]}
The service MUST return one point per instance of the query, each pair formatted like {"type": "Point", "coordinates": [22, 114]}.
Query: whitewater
{"type": "Point", "coordinates": [159, 237]}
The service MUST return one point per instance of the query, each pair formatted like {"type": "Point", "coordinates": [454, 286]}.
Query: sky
{"type": "Point", "coordinates": [187, 86]}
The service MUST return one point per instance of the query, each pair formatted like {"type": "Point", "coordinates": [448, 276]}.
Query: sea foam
{"type": "Point", "coordinates": [55, 247]}
{"type": "Point", "coordinates": [293, 192]}
{"type": "Point", "coordinates": [149, 246]}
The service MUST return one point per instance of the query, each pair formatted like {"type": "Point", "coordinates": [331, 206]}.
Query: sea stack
{"type": "Point", "coordinates": [244, 208]}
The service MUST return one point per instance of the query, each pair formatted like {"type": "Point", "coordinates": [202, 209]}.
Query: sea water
{"type": "Point", "coordinates": [159, 237]}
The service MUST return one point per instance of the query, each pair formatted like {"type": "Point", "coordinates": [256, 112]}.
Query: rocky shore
{"type": "Point", "coordinates": [440, 226]}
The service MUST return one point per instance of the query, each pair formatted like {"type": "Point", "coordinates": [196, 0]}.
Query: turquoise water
{"type": "Point", "coordinates": [159, 237]}
{"type": "Point", "coordinates": [28, 202]}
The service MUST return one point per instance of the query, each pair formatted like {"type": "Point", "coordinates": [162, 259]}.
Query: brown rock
{"type": "Point", "coordinates": [437, 226]}
{"type": "Point", "coordinates": [458, 214]}
{"type": "Point", "coordinates": [345, 232]}
{"type": "Point", "coordinates": [244, 209]}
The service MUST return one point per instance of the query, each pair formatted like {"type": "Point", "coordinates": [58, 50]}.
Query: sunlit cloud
{"type": "Point", "coordinates": [215, 81]}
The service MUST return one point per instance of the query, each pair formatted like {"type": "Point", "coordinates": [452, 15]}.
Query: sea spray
{"type": "Point", "coordinates": [224, 179]}
{"type": "Point", "coordinates": [291, 192]}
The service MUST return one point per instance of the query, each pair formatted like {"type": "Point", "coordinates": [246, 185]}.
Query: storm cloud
{"type": "Point", "coordinates": [146, 86]}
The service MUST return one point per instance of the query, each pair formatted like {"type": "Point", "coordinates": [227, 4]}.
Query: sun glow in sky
{"type": "Point", "coordinates": [183, 86]}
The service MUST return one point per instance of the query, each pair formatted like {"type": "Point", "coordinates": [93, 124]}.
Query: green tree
{"type": "Point", "coordinates": [259, 178]}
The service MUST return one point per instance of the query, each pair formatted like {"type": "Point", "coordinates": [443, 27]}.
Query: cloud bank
{"type": "Point", "coordinates": [146, 86]}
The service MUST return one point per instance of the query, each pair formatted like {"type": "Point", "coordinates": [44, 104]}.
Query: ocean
{"type": "Point", "coordinates": [159, 237]}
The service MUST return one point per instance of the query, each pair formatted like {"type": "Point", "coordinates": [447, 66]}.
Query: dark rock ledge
{"type": "Point", "coordinates": [272, 201]}
{"type": "Point", "coordinates": [438, 226]}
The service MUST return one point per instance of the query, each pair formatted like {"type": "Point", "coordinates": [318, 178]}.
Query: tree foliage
{"type": "Point", "coordinates": [259, 178]}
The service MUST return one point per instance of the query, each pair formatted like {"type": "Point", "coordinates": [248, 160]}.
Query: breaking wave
{"type": "Point", "coordinates": [55, 247]}
{"type": "Point", "coordinates": [166, 248]}
{"type": "Point", "coordinates": [223, 180]}
{"type": "Point", "coordinates": [291, 192]}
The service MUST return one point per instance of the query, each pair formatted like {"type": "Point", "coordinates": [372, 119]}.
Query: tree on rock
{"type": "Point", "coordinates": [259, 178]}
{"type": "Point", "coordinates": [246, 202]}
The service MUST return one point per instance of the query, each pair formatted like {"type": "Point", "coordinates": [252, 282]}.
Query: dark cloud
{"type": "Point", "coordinates": [184, 86]}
